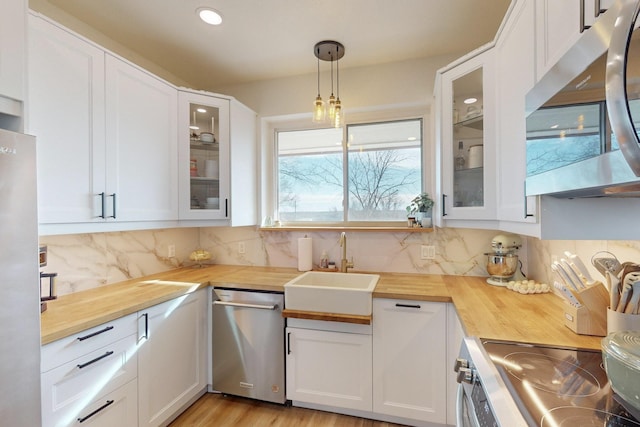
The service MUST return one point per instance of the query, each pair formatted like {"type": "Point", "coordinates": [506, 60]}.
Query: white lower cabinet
{"type": "Point", "coordinates": [329, 368]}
{"type": "Point", "coordinates": [409, 359]}
{"type": "Point", "coordinates": [138, 370]}
{"type": "Point", "coordinates": [172, 357]}
{"type": "Point", "coordinates": [90, 378]}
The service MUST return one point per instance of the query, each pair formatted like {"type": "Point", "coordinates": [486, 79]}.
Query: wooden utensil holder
{"type": "Point", "coordinates": [591, 317]}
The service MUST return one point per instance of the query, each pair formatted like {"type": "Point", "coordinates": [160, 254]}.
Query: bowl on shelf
{"type": "Point", "coordinates": [207, 137]}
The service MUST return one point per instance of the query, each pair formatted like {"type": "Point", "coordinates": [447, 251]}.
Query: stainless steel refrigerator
{"type": "Point", "coordinates": [19, 283]}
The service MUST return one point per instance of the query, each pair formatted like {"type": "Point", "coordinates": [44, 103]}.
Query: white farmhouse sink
{"type": "Point", "coordinates": [339, 293]}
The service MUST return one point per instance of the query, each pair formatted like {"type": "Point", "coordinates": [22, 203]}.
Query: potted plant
{"type": "Point", "coordinates": [420, 208]}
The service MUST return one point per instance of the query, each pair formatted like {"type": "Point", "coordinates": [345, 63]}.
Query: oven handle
{"type": "Point", "coordinates": [244, 305]}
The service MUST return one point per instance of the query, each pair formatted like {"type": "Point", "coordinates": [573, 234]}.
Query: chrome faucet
{"type": "Point", "coordinates": [344, 263]}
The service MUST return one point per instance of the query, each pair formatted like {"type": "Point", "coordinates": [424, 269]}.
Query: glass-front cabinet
{"type": "Point", "coordinates": [467, 140]}
{"type": "Point", "coordinates": [203, 156]}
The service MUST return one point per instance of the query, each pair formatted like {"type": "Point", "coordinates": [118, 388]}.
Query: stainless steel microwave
{"type": "Point", "coordinates": [583, 116]}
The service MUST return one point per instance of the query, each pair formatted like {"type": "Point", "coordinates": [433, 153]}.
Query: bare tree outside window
{"type": "Point", "coordinates": [383, 172]}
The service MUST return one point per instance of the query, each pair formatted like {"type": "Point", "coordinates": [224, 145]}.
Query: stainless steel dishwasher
{"type": "Point", "coordinates": [248, 344]}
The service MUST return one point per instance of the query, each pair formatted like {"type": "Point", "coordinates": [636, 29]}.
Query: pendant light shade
{"type": "Point", "coordinates": [329, 50]}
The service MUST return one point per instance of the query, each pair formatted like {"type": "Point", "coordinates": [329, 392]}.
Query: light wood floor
{"type": "Point", "coordinates": [227, 411]}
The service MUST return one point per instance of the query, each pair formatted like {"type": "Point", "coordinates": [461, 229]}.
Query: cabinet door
{"type": "Point", "coordinates": [468, 140]}
{"type": "Point", "coordinates": [118, 408]}
{"type": "Point", "coordinates": [13, 50]}
{"type": "Point", "coordinates": [244, 166]}
{"type": "Point", "coordinates": [515, 70]}
{"type": "Point", "coordinates": [141, 131]}
{"type": "Point", "coordinates": [558, 26]}
{"type": "Point", "coordinates": [72, 389]}
{"type": "Point", "coordinates": [203, 156]}
{"type": "Point", "coordinates": [409, 359]}
{"type": "Point", "coordinates": [66, 114]}
{"type": "Point", "coordinates": [172, 356]}
{"type": "Point", "coordinates": [329, 368]}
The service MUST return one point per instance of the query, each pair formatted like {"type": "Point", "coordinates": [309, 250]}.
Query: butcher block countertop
{"type": "Point", "coordinates": [485, 311]}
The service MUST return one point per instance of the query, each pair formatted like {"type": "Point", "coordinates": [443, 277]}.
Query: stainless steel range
{"type": "Point", "coordinates": [510, 384]}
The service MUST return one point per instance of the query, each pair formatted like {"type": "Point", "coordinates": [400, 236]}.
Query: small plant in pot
{"type": "Point", "coordinates": [420, 209]}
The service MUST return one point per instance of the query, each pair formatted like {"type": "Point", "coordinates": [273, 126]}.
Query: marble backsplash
{"type": "Point", "coordinates": [85, 261]}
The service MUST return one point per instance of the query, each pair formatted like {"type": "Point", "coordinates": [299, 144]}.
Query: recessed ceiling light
{"type": "Point", "coordinates": [470, 100]}
{"type": "Point", "coordinates": [209, 16]}
{"type": "Point", "coordinates": [412, 138]}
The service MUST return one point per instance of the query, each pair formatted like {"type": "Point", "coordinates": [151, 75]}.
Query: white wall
{"type": "Point", "coordinates": [407, 83]}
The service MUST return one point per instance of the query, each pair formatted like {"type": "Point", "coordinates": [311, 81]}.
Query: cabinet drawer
{"type": "Point", "coordinates": [77, 345]}
{"type": "Point", "coordinates": [116, 408]}
{"type": "Point", "coordinates": [68, 389]}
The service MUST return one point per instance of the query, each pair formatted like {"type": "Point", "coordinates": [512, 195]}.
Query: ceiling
{"type": "Point", "coordinates": [266, 39]}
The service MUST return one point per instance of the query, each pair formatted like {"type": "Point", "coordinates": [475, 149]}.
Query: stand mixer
{"type": "Point", "coordinates": [502, 263]}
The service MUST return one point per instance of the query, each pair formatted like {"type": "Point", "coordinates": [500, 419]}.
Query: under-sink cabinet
{"type": "Point", "coordinates": [142, 369]}
{"type": "Point", "coordinates": [329, 364]}
{"type": "Point", "coordinates": [409, 359]}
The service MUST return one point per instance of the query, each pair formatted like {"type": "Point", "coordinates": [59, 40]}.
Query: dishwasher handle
{"type": "Point", "coordinates": [244, 305]}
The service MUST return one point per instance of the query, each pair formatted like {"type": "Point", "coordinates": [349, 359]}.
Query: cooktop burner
{"type": "Point", "coordinates": [562, 377]}
{"type": "Point", "coordinates": [559, 387]}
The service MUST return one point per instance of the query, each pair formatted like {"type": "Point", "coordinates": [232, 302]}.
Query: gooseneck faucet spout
{"type": "Point", "coordinates": [344, 263]}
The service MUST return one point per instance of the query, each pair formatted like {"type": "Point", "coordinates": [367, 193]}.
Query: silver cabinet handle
{"type": "Point", "coordinates": [619, 114]}
{"type": "Point", "coordinates": [240, 304]}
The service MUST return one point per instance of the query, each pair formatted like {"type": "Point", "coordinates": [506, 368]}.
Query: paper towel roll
{"type": "Point", "coordinates": [305, 254]}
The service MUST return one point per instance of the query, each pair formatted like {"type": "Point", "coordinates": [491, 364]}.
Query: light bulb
{"type": "Point", "coordinates": [318, 110]}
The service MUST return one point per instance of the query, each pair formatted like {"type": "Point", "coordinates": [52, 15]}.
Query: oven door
{"type": "Point", "coordinates": [465, 413]}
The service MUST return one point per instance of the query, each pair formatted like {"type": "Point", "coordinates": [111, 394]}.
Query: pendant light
{"type": "Point", "coordinates": [329, 50]}
{"type": "Point", "coordinates": [319, 112]}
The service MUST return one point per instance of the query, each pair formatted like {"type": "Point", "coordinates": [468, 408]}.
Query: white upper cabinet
{"type": "Point", "coordinates": [217, 159]}
{"type": "Point", "coordinates": [515, 72]}
{"type": "Point", "coordinates": [466, 133]}
{"type": "Point", "coordinates": [558, 26]}
{"type": "Point", "coordinates": [106, 132]}
{"type": "Point", "coordinates": [203, 156]}
{"type": "Point", "coordinates": [66, 114]}
{"type": "Point", "coordinates": [12, 58]}
{"type": "Point", "coordinates": [142, 144]}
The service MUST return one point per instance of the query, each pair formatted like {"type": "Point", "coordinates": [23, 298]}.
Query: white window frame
{"type": "Point", "coordinates": [269, 157]}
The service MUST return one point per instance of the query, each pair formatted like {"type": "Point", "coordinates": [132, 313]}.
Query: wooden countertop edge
{"type": "Point", "coordinates": [88, 322]}
{"type": "Point", "coordinates": [333, 317]}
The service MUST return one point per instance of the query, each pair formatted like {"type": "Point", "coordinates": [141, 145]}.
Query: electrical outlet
{"type": "Point", "coordinates": [428, 252]}
{"type": "Point", "coordinates": [171, 251]}
{"type": "Point", "coordinates": [241, 248]}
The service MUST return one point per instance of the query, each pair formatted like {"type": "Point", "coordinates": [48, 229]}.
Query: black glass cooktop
{"type": "Point", "coordinates": [560, 387]}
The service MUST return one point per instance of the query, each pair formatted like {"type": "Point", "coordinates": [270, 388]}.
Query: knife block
{"type": "Point", "coordinates": [591, 317]}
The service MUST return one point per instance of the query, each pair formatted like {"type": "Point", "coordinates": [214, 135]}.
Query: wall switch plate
{"type": "Point", "coordinates": [241, 248]}
{"type": "Point", "coordinates": [428, 252]}
{"type": "Point", "coordinates": [171, 251]}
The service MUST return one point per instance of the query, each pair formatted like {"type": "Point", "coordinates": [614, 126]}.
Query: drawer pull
{"type": "Point", "coordinates": [101, 331]}
{"type": "Point", "coordinates": [97, 359]}
{"type": "Point", "coordinates": [109, 403]}
{"type": "Point", "coordinates": [408, 305]}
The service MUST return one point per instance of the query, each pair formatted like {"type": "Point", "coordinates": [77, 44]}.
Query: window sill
{"type": "Point", "coordinates": [349, 228]}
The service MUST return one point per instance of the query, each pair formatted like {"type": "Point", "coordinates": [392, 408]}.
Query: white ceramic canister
{"type": "Point", "coordinates": [475, 156]}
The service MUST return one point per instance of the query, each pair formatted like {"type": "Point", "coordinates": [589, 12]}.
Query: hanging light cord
{"type": "Point", "coordinates": [318, 56]}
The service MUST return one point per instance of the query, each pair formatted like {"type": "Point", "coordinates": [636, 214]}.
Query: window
{"type": "Point", "coordinates": [371, 178]}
